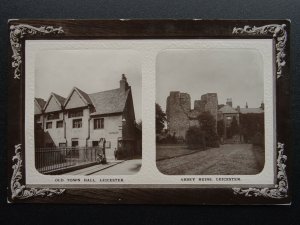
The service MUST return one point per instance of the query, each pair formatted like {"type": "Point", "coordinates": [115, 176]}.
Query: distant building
{"type": "Point", "coordinates": [81, 119]}
{"type": "Point", "coordinates": [180, 115]}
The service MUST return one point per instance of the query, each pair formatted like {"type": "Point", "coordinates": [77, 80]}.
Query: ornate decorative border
{"type": "Point", "coordinates": [18, 190]}
{"type": "Point", "coordinates": [281, 188]}
{"type": "Point", "coordinates": [280, 35]}
{"type": "Point", "coordinates": [17, 32]}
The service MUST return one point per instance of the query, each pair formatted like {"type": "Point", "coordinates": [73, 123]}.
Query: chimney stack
{"type": "Point", "coordinates": [229, 102]}
{"type": "Point", "coordinates": [123, 83]}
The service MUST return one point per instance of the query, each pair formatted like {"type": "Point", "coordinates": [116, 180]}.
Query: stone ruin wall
{"type": "Point", "coordinates": [211, 100]}
{"type": "Point", "coordinates": [178, 107]}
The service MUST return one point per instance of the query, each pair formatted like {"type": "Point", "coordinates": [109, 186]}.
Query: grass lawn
{"type": "Point", "coordinates": [171, 151]}
{"type": "Point", "coordinates": [229, 159]}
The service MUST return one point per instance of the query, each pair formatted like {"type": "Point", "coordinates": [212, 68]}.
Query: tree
{"type": "Point", "coordinates": [208, 126]}
{"type": "Point", "coordinates": [160, 118]}
{"type": "Point", "coordinates": [251, 125]}
{"type": "Point", "coordinates": [195, 138]}
{"type": "Point", "coordinates": [220, 128]}
{"type": "Point", "coordinates": [234, 127]}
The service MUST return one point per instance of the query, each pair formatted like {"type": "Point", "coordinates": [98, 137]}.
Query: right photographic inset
{"type": "Point", "coordinates": [210, 112]}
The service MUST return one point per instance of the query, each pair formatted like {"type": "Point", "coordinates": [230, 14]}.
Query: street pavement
{"type": "Point", "coordinates": [128, 167]}
{"type": "Point", "coordinates": [118, 167]}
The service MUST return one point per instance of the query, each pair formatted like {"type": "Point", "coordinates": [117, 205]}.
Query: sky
{"type": "Point", "coordinates": [231, 73]}
{"type": "Point", "coordinates": [91, 71]}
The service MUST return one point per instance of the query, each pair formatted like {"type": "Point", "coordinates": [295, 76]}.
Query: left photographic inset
{"type": "Point", "coordinates": [87, 112]}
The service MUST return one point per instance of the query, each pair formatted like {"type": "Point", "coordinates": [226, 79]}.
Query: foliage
{"type": "Point", "coordinates": [251, 124]}
{"type": "Point", "coordinates": [233, 129]}
{"type": "Point", "coordinates": [258, 139]}
{"type": "Point", "coordinates": [166, 139]}
{"type": "Point", "coordinates": [220, 128]}
{"type": "Point", "coordinates": [208, 126]}
{"type": "Point", "coordinates": [195, 138]}
{"type": "Point", "coordinates": [160, 119]}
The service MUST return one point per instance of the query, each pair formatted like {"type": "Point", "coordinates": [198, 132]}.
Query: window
{"type": "Point", "coordinates": [53, 116]}
{"type": "Point", "coordinates": [99, 123]}
{"type": "Point", "coordinates": [74, 143]}
{"type": "Point", "coordinates": [77, 123]}
{"type": "Point", "coordinates": [48, 125]}
{"type": "Point", "coordinates": [95, 143]}
{"type": "Point", "coordinates": [59, 124]}
{"type": "Point", "coordinates": [75, 113]}
{"type": "Point", "coordinates": [62, 145]}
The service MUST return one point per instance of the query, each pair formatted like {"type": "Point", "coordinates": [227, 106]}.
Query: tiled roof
{"type": "Point", "coordinates": [107, 102]}
{"type": "Point", "coordinates": [84, 95]}
{"type": "Point", "coordinates": [251, 110]}
{"type": "Point", "coordinates": [59, 98]}
{"type": "Point", "coordinates": [227, 109]}
{"type": "Point", "coordinates": [41, 102]}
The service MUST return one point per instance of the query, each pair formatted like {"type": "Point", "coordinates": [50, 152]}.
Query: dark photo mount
{"type": "Point", "coordinates": [22, 30]}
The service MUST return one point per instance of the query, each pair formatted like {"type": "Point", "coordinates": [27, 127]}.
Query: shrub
{"type": "Point", "coordinates": [168, 139]}
{"type": "Point", "coordinates": [195, 138]}
{"type": "Point", "coordinates": [208, 126]}
{"type": "Point", "coordinates": [258, 139]}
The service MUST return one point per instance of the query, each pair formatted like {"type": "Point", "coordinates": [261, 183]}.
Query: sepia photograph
{"type": "Point", "coordinates": [118, 114]}
{"type": "Point", "coordinates": [210, 112]}
{"type": "Point", "coordinates": [87, 112]}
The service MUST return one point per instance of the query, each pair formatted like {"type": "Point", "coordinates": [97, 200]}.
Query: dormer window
{"type": "Point", "coordinates": [53, 116]}
{"type": "Point", "coordinates": [75, 113]}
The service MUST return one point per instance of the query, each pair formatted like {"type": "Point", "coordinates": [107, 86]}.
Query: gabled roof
{"type": "Point", "coordinates": [251, 110]}
{"type": "Point", "coordinates": [40, 103]}
{"type": "Point", "coordinates": [84, 96]}
{"type": "Point", "coordinates": [107, 102]}
{"type": "Point", "coordinates": [227, 109]}
{"type": "Point", "coordinates": [59, 99]}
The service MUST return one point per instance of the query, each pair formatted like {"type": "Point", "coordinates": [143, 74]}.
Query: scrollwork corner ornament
{"type": "Point", "coordinates": [281, 188]}
{"type": "Point", "coordinates": [279, 34]}
{"type": "Point", "coordinates": [17, 32]}
{"type": "Point", "coordinates": [18, 190]}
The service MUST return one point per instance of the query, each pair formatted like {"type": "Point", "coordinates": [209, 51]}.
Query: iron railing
{"type": "Point", "coordinates": [56, 158]}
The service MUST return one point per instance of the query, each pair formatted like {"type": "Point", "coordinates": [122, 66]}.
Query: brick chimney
{"type": "Point", "coordinates": [229, 102]}
{"type": "Point", "coordinates": [123, 83]}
